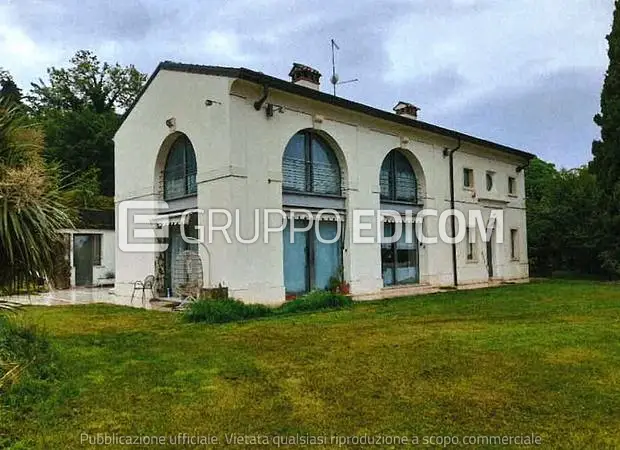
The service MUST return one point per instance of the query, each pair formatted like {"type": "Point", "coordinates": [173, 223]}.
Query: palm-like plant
{"type": "Point", "coordinates": [31, 212]}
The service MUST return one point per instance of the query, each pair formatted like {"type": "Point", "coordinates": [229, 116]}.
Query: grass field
{"type": "Point", "coordinates": [541, 359]}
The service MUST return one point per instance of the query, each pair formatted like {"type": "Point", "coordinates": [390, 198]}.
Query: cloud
{"type": "Point", "coordinates": [494, 68]}
{"type": "Point", "coordinates": [86, 20]}
{"type": "Point", "coordinates": [225, 45]}
{"type": "Point", "coordinates": [498, 44]}
{"type": "Point", "coordinates": [553, 118]}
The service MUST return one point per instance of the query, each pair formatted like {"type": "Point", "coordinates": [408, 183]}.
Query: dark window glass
{"type": "Point", "coordinates": [384, 178]}
{"type": "Point", "coordinates": [325, 169]}
{"type": "Point", "coordinates": [294, 164]}
{"type": "Point", "coordinates": [397, 178]}
{"type": "Point", "coordinates": [468, 178]}
{"type": "Point", "coordinates": [180, 170]}
{"type": "Point", "coordinates": [399, 260]}
{"type": "Point", "coordinates": [308, 262]}
{"type": "Point", "coordinates": [489, 181]}
{"type": "Point", "coordinates": [514, 252]}
{"type": "Point", "coordinates": [512, 185]}
{"type": "Point", "coordinates": [310, 165]}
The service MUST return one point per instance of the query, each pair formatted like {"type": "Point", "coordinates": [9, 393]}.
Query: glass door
{"type": "Point", "coordinates": [399, 260]}
{"type": "Point", "coordinates": [310, 262]}
{"type": "Point", "coordinates": [295, 247]}
{"type": "Point", "coordinates": [83, 259]}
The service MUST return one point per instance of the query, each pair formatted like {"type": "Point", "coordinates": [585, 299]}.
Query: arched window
{"type": "Point", "coordinates": [310, 165]}
{"type": "Point", "coordinates": [397, 179]}
{"type": "Point", "coordinates": [180, 170]}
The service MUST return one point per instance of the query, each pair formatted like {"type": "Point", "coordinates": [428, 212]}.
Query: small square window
{"type": "Point", "coordinates": [468, 178]}
{"type": "Point", "coordinates": [514, 244]}
{"type": "Point", "coordinates": [512, 186]}
{"type": "Point", "coordinates": [489, 180]}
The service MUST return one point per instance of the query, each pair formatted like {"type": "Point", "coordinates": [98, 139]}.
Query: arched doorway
{"type": "Point", "coordinates": [312, 180]}
{"type": "Point", "coordinates": [400, 194]}
{"type": "Point", "coordinates": [177, 171]}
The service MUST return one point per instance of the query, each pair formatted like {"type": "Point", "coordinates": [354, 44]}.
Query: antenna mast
{"type": "Point", "coordinates": [334, 79]}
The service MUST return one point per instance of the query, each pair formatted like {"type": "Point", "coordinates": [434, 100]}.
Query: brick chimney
{"type": "Point", "coordinates": [406, 110]}
{"type": "Point", "coordinates": [305, 76]}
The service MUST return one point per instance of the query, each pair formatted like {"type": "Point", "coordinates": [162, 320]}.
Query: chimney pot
{"type": "Point", "coordinates": [406, 110]}
{"type": "Point", "coordinates": [305, 76]}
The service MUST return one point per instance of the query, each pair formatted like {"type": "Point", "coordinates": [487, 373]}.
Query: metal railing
{"type": "Point", "coordinates": [315, 177]}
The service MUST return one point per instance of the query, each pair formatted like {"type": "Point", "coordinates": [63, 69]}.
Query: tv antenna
{"type": "Point", "coordinates": [335, 78]}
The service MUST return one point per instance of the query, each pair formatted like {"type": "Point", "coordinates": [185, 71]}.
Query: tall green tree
{"type": "Point", "coordinates": [606, 151]}
{"type": "Point", "coordinates": [80, 108]}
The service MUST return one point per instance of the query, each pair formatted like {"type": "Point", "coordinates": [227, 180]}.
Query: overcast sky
{"type": "Point", "coordinates": [525, 73]}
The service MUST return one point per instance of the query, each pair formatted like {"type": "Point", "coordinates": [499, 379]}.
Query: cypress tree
{"type": "Point", "coordinates": [606, 151]}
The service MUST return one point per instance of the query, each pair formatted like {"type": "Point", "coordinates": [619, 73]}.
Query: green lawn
{"type": "Point", "coordinates": [540, 359]}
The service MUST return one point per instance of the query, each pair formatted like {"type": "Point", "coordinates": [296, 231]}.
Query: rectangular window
{"type": "Point", "coordinates": [514, 244]}
{"type": "Point", "coordinates": [490, 176]}
{"type": "Point", "coordinates": [512, 186]}
{"type": "Point", "coordinates": [471, 244]}
{"type": "Point", "coordinates": [96, 238]}
{"type": "Point", "coordinates": [468, 178]}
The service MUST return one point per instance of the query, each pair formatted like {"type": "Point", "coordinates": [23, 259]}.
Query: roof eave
{"type": "Point", "coordinates": [313, 94]}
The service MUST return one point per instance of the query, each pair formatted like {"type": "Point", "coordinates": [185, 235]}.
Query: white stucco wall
{"type": "Point", "coordinates": [144, 133]}
{"type": "Point", "coordinates": [239, 157]}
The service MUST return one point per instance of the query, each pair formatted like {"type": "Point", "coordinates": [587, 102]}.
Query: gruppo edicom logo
{"type": "Point", "coordinates": [144, 225]}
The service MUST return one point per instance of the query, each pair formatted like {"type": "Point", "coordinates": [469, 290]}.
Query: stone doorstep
{"type": "Point", "coordinates": [397, 291]}
{"type": "Point", "coordinates": [423, 289]}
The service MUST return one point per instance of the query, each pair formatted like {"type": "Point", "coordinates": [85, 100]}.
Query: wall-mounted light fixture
{"type": "Point", "coordinates": [171, 123]}
{"type": "Point", "coordinates": [209, 102]}
{"type": "Point", "coordinates": [270, 109]}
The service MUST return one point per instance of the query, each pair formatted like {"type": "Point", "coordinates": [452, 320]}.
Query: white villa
{"type": "Point", "coordinates": [214, 137]}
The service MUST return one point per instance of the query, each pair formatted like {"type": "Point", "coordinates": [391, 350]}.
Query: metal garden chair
{"type": "Point", "coordinates": [143, 286]}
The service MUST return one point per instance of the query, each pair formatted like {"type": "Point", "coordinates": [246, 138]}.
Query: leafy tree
{"type": "Point", "coordinates": [577, 216]}
{"type": "Point", "coordinates": [606, 163]}
{"type": "Point", "coordinates": [31, 211]}
{"type": "Point", "coordinates": [81, 139]}
{"type": "Point", "coordinates": [80, 110]}
{"type": "Point", "coordinates": [541, 179]}
{"type": "Point", "coordinates": [562, 220]}
{"type": "Point", "coordinates": [88, 83]}
{"type": "Point", "coordinates": [8, 88]}
{"type": "Point", "coordinates": [84, 191]}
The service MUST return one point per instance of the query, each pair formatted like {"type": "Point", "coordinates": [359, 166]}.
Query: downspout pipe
{"type": "Point", "coordinates": [258, 104]}
{"type": "Point", "coordinates": [449, 152]}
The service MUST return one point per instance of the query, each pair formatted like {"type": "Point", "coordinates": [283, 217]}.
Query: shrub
{"type": "Point", "coordinates": [223, 310]}
{"type": "Point", "coordinates": [230, 310]}
{"type": "Point", "coordinates": [316, 301]}
{"type": "Point", "coordinates": [25, 351]}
